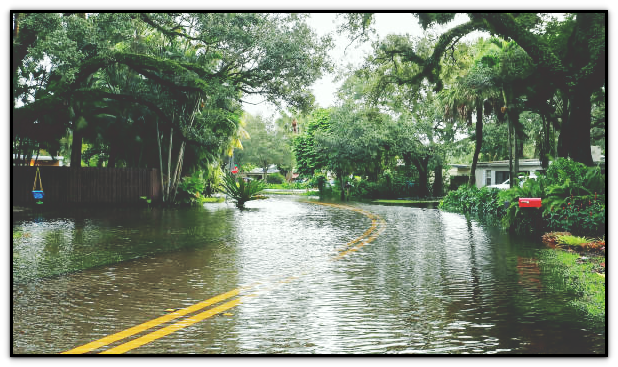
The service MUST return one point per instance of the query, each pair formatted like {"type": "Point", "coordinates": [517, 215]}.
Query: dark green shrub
{"type": "Point", "coordinates": [577, 205]}
{"type": "Point", "coordinates": [275, 178]}
{"type": "Point", "coordinates": [470, 199]}
{"type": "Point", "coordinates": [191, 188]}
{"type": "Point", "coordinates": [562, 169]}
{"type": "Point", "coordinates": [523, 220]}
{"type": "Point", "coordinates": [319, 180]}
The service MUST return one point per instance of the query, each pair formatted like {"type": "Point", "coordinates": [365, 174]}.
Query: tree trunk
{"type": "Point", "coordinates": [437, 183]}
{"type": "Point", "coordinates": [421, 166]}
{"type": "Point", "coordinates": [177, 169]}
{"type": "Point", "coordinates": [479, 142]}
{"type": "Point", "coordinates": [512, 116]}
{"type": "Point", "coordinates": [342, 185]}
{"type": "Point", "coordinates": [169, 167]}
{"type": "Point", "coordinates": [577, 128]}
{"type": "Point", "coordinates": [160, 159]}
{"type": "Point", "coordinates": [76, 149]}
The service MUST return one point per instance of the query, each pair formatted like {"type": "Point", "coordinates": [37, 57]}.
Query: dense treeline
{"type": "Point", "coordinates": [531, 88]}
{"type": "Point", "coordinates": [153, 89]}
{"type": "Point", "coordinates": [165, 90]}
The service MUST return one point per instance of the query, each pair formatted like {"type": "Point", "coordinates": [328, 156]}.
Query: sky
{"type": "Point", "coordinates": [345, 54]}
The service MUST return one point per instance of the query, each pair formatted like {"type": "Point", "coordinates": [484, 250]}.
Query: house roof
{"type": "Point", "coordinates": [41, 157]}
{"type": "Point", "coordinates": [522, 162]}
{"type": "Point", "coordinates": [258, 171]}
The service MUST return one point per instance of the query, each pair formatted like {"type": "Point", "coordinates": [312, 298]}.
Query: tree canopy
{"type": "Point", "coordinates": [154, 64]}
{"type": "Point", "coordinates": [568, 56]}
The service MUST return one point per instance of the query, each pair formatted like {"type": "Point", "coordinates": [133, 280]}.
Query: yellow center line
{"type": "Point", "coordinates": [145, 339]}
{"type": "Point", "coordinates": [189, 321]}
{"type": "Point", "coordinates": [172, 328]}
{"type": "Point", "coordinates": [152, 323]}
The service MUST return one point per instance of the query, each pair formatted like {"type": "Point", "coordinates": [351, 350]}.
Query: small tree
{"type": "Point", "coordinates": [241, 191]}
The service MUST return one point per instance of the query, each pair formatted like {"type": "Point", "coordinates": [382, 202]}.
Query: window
{"type": "Point", "coordinates": [488, 177]}
{"type": "Point", "coordinates": [501, 176]}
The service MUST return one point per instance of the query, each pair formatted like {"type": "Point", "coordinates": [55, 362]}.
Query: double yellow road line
{"type": "Point", "coordinates": [377, 226]}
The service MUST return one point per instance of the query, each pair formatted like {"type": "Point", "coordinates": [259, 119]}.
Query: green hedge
{"type": "Point", "coordinates": [575, 205]}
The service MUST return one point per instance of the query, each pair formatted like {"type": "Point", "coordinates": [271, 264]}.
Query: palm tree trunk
{"type": "Point", "coordinates": [160, 161]}
{"type": "Point", "coordinates": [169, 167]}
{"type": "Point", "coordinates": [479, 142]}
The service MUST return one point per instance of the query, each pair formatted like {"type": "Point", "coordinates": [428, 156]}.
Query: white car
{"type": "Point", "coordinates": [506, 184]}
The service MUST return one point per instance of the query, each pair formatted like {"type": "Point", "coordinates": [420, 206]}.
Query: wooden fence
{"type": "Point", "coordinates": [87, 185]}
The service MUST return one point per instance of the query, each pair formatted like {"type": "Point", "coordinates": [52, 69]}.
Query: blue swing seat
{"type": "Point", "coordinates": [38, 194]}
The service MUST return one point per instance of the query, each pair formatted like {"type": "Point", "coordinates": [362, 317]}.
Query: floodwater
{"type": "Point", "coordinates": [296, 277]}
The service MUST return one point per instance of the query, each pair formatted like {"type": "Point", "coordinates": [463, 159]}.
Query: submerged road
{"type": "Point", "coordinates": [140, 335]}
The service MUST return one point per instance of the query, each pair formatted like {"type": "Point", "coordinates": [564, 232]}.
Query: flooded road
{"type": "Point", "coordinates": [287, 276]}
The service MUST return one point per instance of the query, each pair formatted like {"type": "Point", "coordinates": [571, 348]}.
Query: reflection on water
{"type": "Point", "coordinates": [432, 282]}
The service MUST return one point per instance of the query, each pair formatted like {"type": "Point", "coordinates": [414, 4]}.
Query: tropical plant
{"type": "Point", "coordinates": [191, 188]}
{"type": "Point", "coordinates": [578, 203]}
{"type": "Point", "coordinates": [522, 219]}
{"type": "Point", "coordinates": [240, 190]}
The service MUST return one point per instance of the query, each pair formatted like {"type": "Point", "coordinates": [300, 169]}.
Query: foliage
{"type": "Point", "coordinates": [567, 207]}
{"type": "Point", "coordinates": [562, 169]}
{"type": "Point", "coordinates": [571, 240]}
{"type": "Point", "coordinates": [578, 214]}
{"type": "Point", "coordinates": [275, 178]}
{"type": "Point", "coordinates": [560, 61]}
{"type": "Point", "coordinates": [191, 189]}
{"type": "Point", "coordinates": [576, 204]}
{"type": "Point", "coordinates": [319, 180]}
{"type": "Point", "coordinates": [523, 220]}
{"type": "Point", "coordinates": [268, 144]}
{"type": "Point", "coordinates": [146, 83]}
{"type": "Point", "coordinates": [469, 199]}
{"type": "Point", "coordinates": [388, 186]}
{"type": "Point", "coordinates": [240, 190]}
{"type": "Point", "coordinates": [308, 161]}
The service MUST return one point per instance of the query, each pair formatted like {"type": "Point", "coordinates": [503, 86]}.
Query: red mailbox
{"type": "Point", "coordinates": [529, 202]}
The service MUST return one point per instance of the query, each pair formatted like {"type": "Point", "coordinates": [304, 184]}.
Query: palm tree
{"type": "Point", "coordinates": [474, 94]}
{"type": "Point", "coordinates": [498, 72]}
{"type": "Point", "coordinates": [241, 191]}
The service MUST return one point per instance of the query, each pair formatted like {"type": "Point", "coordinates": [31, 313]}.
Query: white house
{"type": "Point", "coordinates": [496, 172]}
{"type": "Point", "coordinates": [493, 173]}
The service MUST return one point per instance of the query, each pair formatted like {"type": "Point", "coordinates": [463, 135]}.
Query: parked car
{"type": "Point", "coordinates": [506, 184]}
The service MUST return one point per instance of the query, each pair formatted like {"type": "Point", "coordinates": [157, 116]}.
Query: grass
{"type": "Point", "coordinates": [404, 201]}
{"type": "Point", "coordinates": [213, 200]}
{"type": "Point", "coordinates": [581, 274]}
{"type": "Point", "coordinates": [307, 193]}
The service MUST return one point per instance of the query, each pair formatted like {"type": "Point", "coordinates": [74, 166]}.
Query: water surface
{"type": "Point", "coordinates": [431, 282]}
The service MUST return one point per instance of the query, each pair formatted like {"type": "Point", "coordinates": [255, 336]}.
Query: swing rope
{"type": "Point", "coordinates": [37, 174]}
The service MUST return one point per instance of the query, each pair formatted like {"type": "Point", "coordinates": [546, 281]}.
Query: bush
{"type": "Point", "coordinates": [562, 169]}
{"type": "Point", "coordinates": [469, 199]}
{"type": "Point", "coordinates": [388, 186]}
{"type": "Point", "coordinates": [579, 214]}
{"type": "Point", "coordinates": [576, 205]}
{"type": "Point", "coordinates": [569, 206]}
{"type": "Point", "coordinates": [275, 178]}
{"type": "Point", "coordinates": [523, 220]}
{"type": "Point", "coordinates": [318, 181]}
{"type": "Point", "coordinates": [190, 189]}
